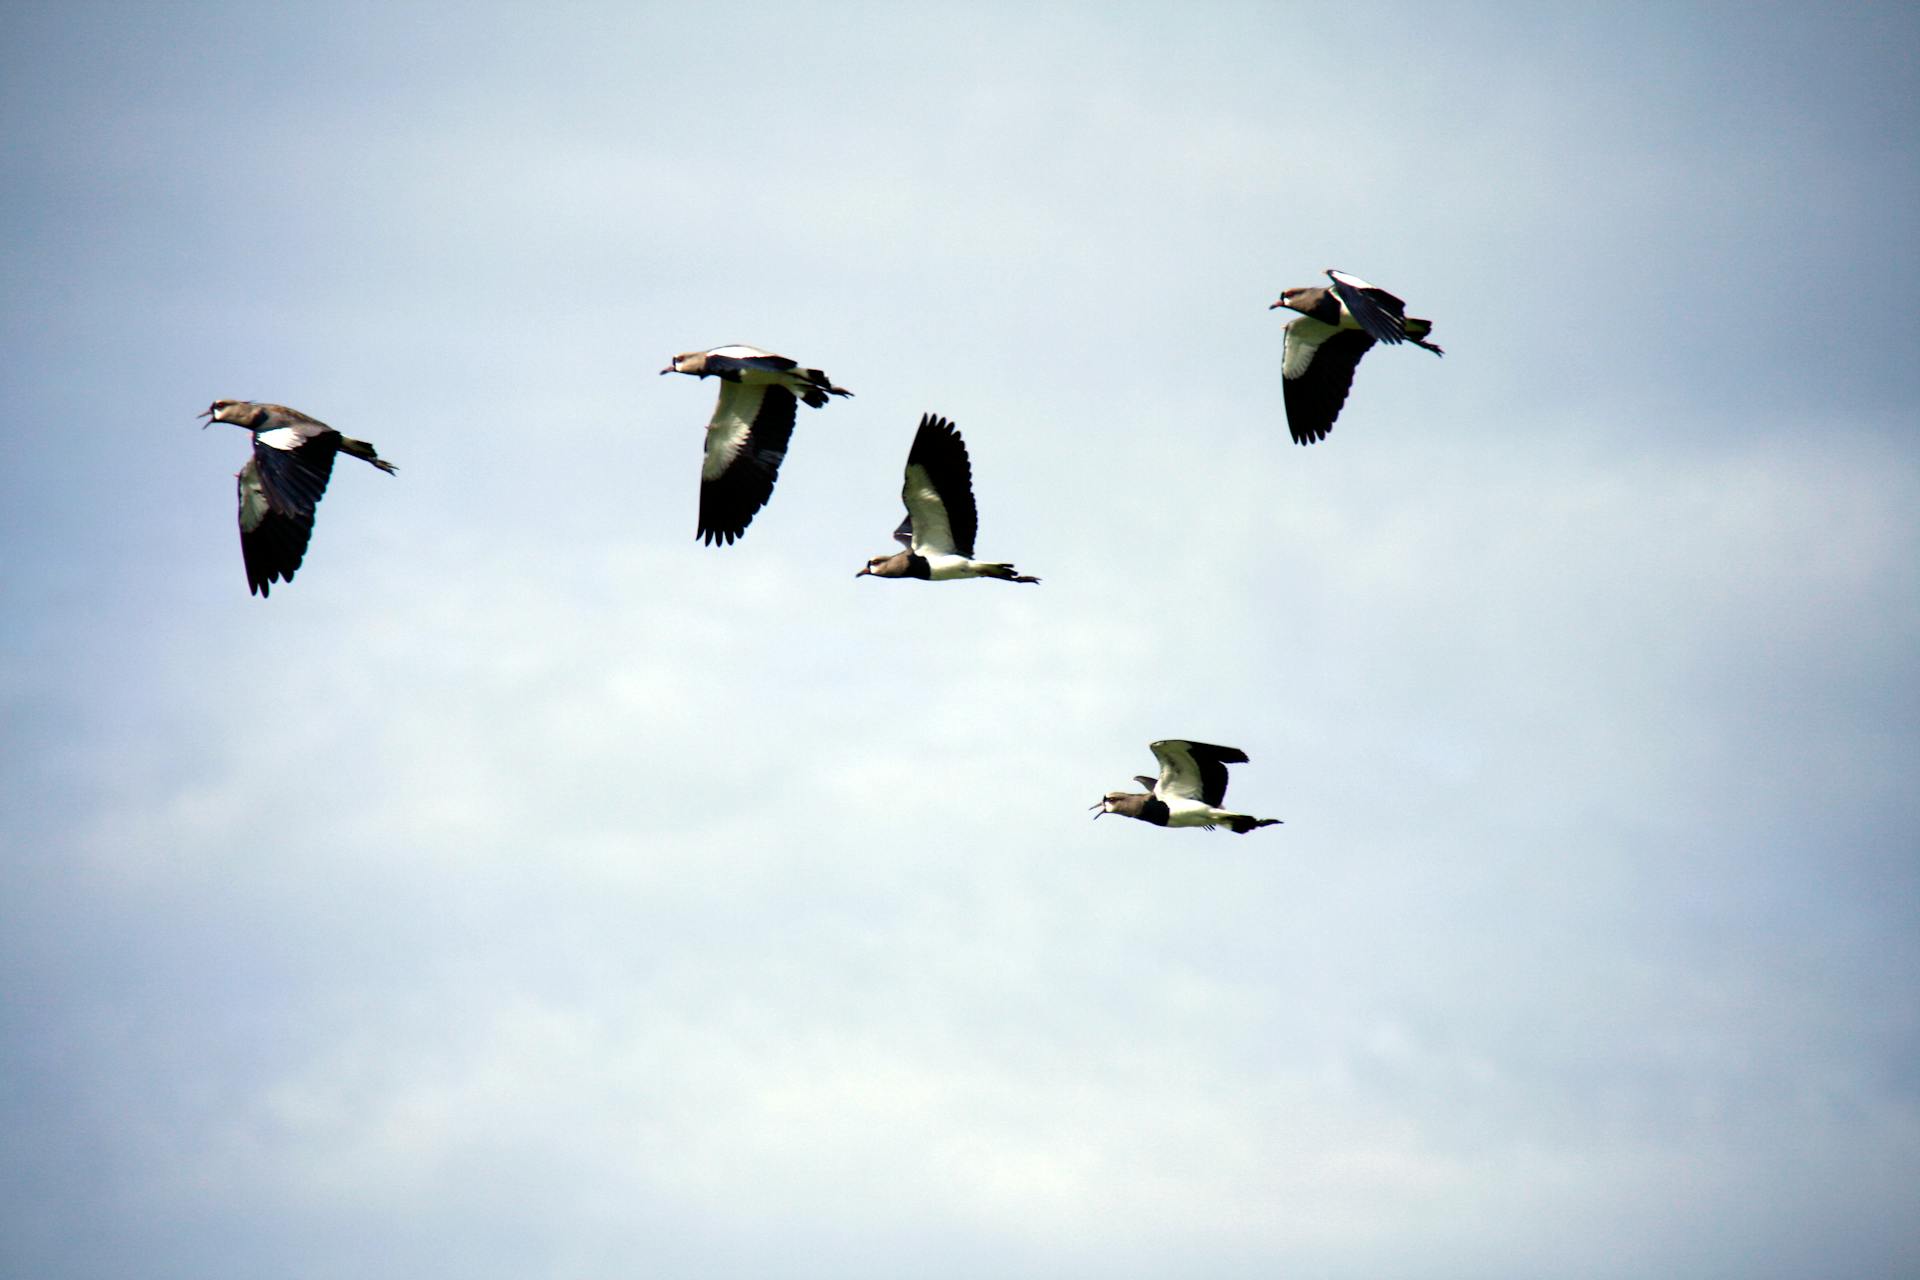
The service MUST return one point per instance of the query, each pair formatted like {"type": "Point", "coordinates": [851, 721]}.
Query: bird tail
{"type": "Point", "coordinates": [1004, 572]}
{"type": "Point", "coordinates": [819, 388]}
{"type": "Point", "coordinates": [1243, 823]}
{"type": "Point", "coordinates": [1417, 331]}
{"type": "Point", "coordinates": [361, 449]}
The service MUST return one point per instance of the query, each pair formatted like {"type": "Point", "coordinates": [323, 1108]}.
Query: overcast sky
{"type": "Point", "coordinates": [527, 890]}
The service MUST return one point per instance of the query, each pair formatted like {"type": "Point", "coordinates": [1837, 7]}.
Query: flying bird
{"type": "Point", "coordinates": [747, 437]}
{"type": "Point", "coordinates": [282, 483]}
{"type": "Point", "coordinates": [941, 521]}
{"type": "Point", "coordinates": [1337, 325]}
{"type": "Point", "coordinates": [1189, 791]}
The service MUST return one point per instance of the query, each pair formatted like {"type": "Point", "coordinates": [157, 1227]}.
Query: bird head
{"type": "Point", "coordinates": [233, 411]}
{"type": "Point", "coordinates": [693, 362]}
{"type": "Point", "coordinates": [893, 566]}
{"type": "Point", "coordinates": [1125, 803]}
{"type": "Point", "coordinates": [1288, 298]}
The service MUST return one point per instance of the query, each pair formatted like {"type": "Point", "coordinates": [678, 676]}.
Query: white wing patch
{"type": "Point", "coordinates": [285, 439]}
{"type": "Point", "coordinates": [1179, 775]}
{"type": "Point", "coordinates": [1304, 337]}
{"type": "Point", "coordinates": [932, 531]}
{"type": "Point", "coordinates": [731, 425]}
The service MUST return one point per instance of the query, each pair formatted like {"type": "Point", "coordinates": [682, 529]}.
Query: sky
{"type": "Point", "coordinates": [527, 890]}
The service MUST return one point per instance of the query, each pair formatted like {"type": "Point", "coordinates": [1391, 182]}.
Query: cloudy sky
{"type": "Point", "coordinates": [528, 890]}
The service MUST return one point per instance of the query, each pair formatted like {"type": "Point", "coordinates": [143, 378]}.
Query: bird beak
{"type": "Point", "coordinates": [208, 415]}
{"type": "Point", "coordinates": [1280, 303]}
{"type": "Point", "coordinates": [1101, 806]}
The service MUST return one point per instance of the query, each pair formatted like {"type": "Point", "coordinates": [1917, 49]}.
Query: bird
{"type": "Point", "coordinates": [282, 483]}
{"type": "Point", "coordinates": [1337, 325]}
{"type": "Point", "coordinates": [941, 520]}
{"type": "Point", "coordinates": [747, 436]}
{"type": "Point", "coordinates": [1189, 791]}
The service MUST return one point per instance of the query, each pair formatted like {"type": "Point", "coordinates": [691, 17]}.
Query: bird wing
{"type": "Point", "coordinates": [1316, 373]}
{"type": "Point", "coordinates": [291, 466]}
{"type": "Point", "coordinates": [746, 442]}
{"type": "Point", "coordinates": [733, 362]}
{"type": "Point", "coordinates": [1194, 770]}
{"type": "Point", "coordinates": [279, 488]}
{"type": "Point", "coordinates": [1382, 315]}
{"type": "Point", "coordinates": [904, 534]}
{"type": "Point", "coordinates": [273, 533]}
{"type": "Point", "coordinates": [938, 490]}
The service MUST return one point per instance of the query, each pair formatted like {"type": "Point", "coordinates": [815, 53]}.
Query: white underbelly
{"type": "Point", "coordinates": [942, 568]}
{"type": "Point", "coordinates": [1182, 812]}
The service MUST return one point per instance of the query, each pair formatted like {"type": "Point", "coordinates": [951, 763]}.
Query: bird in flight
{"type": "Point", "coordinates": [747, 436]}
{"type": "Point", "coordinates": [1338, 323]}
{"type": "Point", "coordinates": [1189, 791]}
{"type": "Point", "coordinates": [282, 483]}
{"type": "Point", "coordinates": [941, 519]}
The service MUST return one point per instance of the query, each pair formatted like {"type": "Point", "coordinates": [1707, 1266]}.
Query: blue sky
{"type": "Point", "coordinates": [527, 890]}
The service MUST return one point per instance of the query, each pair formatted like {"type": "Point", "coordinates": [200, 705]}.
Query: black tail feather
{"type": "Point", "coordinates": [1417, 331]}
{"type": "Point", "coordinates": [816, 395]}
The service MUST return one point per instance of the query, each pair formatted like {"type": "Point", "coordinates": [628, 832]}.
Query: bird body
{"type": "Point", "coordinates": [937, 568]}
{"type": "Point", "coordinates": [747, 436]}
{"type": "Point", "coordinates": [1189, 792]}
{"type": "Point", "coordinates": [282, 483]}
{"type": "Point", "coordinates": [1337, 324]}
{"type": "Point", "coordinates": [942, 520]}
